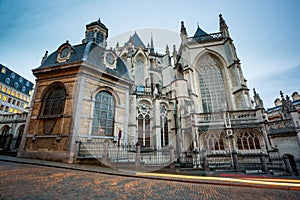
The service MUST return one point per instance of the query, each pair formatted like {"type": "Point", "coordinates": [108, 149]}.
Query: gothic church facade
{"type": "Point", "coordinates": [194, 99]}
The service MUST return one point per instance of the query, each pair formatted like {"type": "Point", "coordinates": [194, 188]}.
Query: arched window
{"type": "Point", "coordinates": [248, 141]}
{"type": "Point", "coordinates": [139, 71]}
{"type": "Point", "coordinates": [144, 125]}
{"type": "Point", "coordinates": [103, 118]}
{"type": "Point", "coordinates": [214, 141]}
{"type": "Point", "coordinates": [54, 101]}
{"type": "Point", "coordinates": [211, 84]}
{"type": "Point", "coordinates": [164, 128]}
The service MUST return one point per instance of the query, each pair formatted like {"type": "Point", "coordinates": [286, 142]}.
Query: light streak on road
{"type": "Point", "coordinates": [258, 181]}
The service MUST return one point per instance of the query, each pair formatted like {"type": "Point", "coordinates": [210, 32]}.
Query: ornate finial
{"type": "Point", "coordinates": [44, 57]}
{"type": "Point", "coordinates": [281, 94]}
{"type": "Point", "coordinates": [222, 22]}
{"type": "Point", "coordinates": [174, 47]}
{"type": "Point", "coordinates": [67, 41]}
{"type": "Point", "coordinates": [254, 91]}
{"type": "Point", "coordinates": [183, 29]}
{"type": "Point", "coordinates": [117, 45]}
{"type": "Point", "coordinates": [167, 48]}
{"type": "Point", "coordinates": [99, 20]}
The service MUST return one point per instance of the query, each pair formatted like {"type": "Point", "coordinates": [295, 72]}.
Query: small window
{"type": "Point", "coordinates": [6, 109]}
{"type": "Point", "coordinates": [11, 110]}
{"type": "Point", "coordinates": [12, 75]}
{"type": "Point", "coordinates": [27, 83]}
{"type": "Point", "coordinates": [7, 81]}
{"type": "Point", "coordinates": [4, 98]}
{"type": "Point", "coordinates": [9, 100]}
{"type": "Point", "coordinates": [16, 85]}
{"type": "Point", "coordinates": [20, 79]}
{"type": "Point", "coordinates": [8, 91]}
{"type": "Point", "coordinates": [23, 89]}
{"type": "Point", "coordinates": [3, 70]}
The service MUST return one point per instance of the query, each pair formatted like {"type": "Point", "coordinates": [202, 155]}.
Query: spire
{"type": "Point", "coordinates": [183, 33]}
{"type": "Point", "coordinates": [258, 102]}
{"type": "Point", "coordinates": [223, 26]}
{"type": "Point", "coordinates": [151, 45]}
{"type": "Point", "coordinates": [183, 29]}
{"type": "Point", "coordinates": [167, 49]}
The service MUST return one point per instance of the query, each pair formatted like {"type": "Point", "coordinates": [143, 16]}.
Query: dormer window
{"type": "Point", "coordinates": [64, 52]}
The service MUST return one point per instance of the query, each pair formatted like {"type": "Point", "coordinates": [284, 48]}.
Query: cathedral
{"type": "Point", "coordinates": [90, 100]}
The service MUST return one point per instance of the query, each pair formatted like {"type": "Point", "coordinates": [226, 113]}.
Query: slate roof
{"type": "Point", "coordinates": [136, 40]}
{"type": "Point", "coordinates": [199, 32]}
{"type": "Point", "coordinates": [14, 80]}
{"type": "Point", "coordinates": [91, 53]}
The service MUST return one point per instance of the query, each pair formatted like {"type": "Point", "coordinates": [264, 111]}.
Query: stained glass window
{"type": "Point", "coordinates": [103, 119]}
{"type": "Point", "coordinates": [212, 87]}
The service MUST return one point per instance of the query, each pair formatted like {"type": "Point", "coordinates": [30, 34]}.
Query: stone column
{"type": "Point", "coordinates": [138, 156]}
{"type": "Point", "coordinates": [172, 164]}
{"type": "Point", "coordinates": [236, 164]}
{"type": "Point", "coordinates": [105, 151]}
{"type": "Point", "coordinates": [263, 162]}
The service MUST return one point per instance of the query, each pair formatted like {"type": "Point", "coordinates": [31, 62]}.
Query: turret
{"type": "Point", "coordinates": [96, 32]}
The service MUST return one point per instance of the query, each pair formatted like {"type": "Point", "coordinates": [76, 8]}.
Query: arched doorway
{"type": "Point", "coordinates": [5, 138]}
{"type": "Point", "coordinates": [292, 162]}
{"type": "Point", "coordinates": [19, 137]}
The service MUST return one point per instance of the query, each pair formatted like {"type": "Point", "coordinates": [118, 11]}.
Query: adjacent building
{"type": "Point", "coordinates": [15, 93]}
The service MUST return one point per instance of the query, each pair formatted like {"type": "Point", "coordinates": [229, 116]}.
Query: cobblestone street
{"type": "Point", "coordinates": [27, 181]}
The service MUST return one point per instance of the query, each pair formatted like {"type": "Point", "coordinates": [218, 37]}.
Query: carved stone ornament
{"type": "Point", "coordinates": [49, 125]}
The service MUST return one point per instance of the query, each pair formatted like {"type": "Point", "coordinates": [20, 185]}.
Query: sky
{"type": "Point", "coordinates": [264, 32]}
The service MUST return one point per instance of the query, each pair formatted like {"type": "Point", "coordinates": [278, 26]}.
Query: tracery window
{"type": "Point", "coordinates": [164, 128]}
{"type": "Point", "coordinates": [214, 141]}
{"type": "Point", "coordinates": [139, 71]}
{"type": "Point", "coordinates": [103, 118]}
{"type": "Point", "coordinates": [211, 83]}
{"type": "Point", "coordinates": [144, 125]}
{"type": "Point", "coordinates": [248, 141]}
{"type": "Point", "coordinates": [54, 101]}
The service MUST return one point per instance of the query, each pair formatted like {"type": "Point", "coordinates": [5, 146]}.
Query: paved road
{"type": "Point", "coordinates": [27, 181]}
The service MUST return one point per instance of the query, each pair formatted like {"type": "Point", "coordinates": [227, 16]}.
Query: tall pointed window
{"type": "Point", "coordinates": [54, 101]}
{"type": "Point", "coordinates": [164, 128]}
{"type": "Point", "coordinates": [248, 141]}
{"type": "Point", "coordinates": [139, 71]}
{"type": "Point", "coordinates": [212, 87]}
{"type": "Point", "coordinates": [144, 125]}
{"type": "Point", "coordinates": [103, 118]}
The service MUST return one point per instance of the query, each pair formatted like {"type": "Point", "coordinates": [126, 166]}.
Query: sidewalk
{"type": "Point", "coordinates": [236, 181]}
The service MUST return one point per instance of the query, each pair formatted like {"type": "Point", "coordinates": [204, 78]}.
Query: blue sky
{"type": "Point", "coordinates": [265, 32]}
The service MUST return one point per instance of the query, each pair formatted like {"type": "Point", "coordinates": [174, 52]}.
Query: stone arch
{"type": "Point", "coordinates": [211, 79]}
{"type": "Point", "coordinates": [19, 134]}
{"type": "Point", "coordinates": [47, 109]}
{"type": "Point", "coordinates": [109, 89]}
{"type": "Point", "coordinates": [5, 137]}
